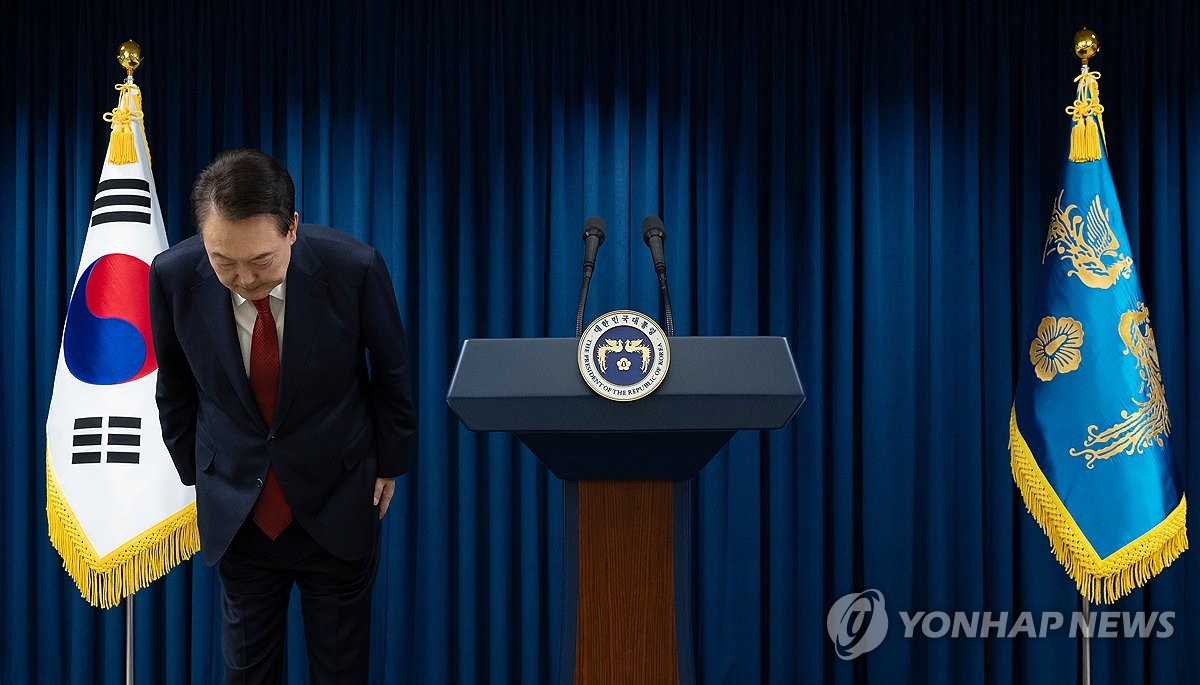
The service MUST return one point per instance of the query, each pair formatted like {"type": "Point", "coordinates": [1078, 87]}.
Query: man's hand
{"type": "Point", "coordinates": [384, 488]}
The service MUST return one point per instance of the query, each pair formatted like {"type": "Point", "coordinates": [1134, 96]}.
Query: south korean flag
{"type": "Point", "coordinates": [117, 512]}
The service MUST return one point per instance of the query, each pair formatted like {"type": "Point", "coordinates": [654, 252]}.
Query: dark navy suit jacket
{"type": "Point", "coordinates": [339, 422]}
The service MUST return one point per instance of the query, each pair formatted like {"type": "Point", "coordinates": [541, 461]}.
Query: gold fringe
{"type": "Point", "coordinates": [1100, 581]}
{"type": "Point", "coordinates": [129, 568]}
{"type": "Point", "coordinates": [1088, 115]}
{"type": "Point", "coordinates": [121, 149]}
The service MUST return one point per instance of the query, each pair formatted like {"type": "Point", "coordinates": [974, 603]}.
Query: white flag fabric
{"type": "Point", "coordinates": [117, 512]}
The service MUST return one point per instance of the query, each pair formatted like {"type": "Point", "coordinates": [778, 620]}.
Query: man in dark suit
{"type": "Point", "coordinates": [284, 397]}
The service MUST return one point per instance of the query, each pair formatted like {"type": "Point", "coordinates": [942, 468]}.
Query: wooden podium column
{"type": "Point", "coordinates": [626, 612]}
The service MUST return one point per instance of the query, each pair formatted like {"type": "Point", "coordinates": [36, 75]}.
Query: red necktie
{"type": "Point", "coordinates": [271, 511]}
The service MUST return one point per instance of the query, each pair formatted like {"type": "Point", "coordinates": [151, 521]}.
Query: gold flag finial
{"type": "Point", "coordinates": [130, 56]}
{"type": "Point", "coordinates": [121, 149]}
{"type": "Point", "coordinates": [1087, 114]}
{"type": "Point", "coordinates": [1086, 44]}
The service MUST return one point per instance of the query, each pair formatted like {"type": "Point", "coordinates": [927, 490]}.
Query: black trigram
{"type": "Point", "coordinates": [123, 435]}
{"type": "Point", "coordinates": [122, 199]}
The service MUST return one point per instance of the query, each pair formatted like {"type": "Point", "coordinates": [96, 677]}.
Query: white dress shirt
{"type": "Point", "coordinates": [244, 314]}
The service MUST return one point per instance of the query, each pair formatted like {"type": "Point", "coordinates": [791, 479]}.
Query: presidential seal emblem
{"type": "Point", "coordinates": [624, 355]}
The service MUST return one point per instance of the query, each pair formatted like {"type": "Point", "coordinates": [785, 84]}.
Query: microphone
{"type": "Point", "coordinates": [654, 235]}
{"type": "Point", "coordinates": [593, 238]}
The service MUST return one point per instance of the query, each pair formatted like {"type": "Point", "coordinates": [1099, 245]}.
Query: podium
{"type": "Point", "coordinates": [626, 467]}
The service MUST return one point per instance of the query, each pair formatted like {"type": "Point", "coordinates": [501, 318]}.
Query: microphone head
{"type": "Point", "coordinates": [652, 226]}
{"type": "Point", "coordinates": [594, 226]}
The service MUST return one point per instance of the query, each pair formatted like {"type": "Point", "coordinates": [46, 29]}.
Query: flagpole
{"type": "Point", "coordinates": [129, 55]}
{"type": "Point", "coordinates": [1086, 46]}
{"type": "Point", "coordinates": [129, 640]}
{"type": "Point", "coordinates": [1087, 642]}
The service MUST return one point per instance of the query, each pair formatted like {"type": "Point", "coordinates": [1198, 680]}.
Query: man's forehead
{"type": "Point", "coordinates": [244, 245]}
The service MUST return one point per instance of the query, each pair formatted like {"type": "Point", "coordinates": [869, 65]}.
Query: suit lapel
{"type": "Point", "coordinates": [217, 307]}
{"type": "Point", "coordinates": [305, 305]}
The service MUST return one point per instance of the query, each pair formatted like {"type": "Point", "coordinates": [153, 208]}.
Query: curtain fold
{"type": "Point", "coordinates": [871, 180]}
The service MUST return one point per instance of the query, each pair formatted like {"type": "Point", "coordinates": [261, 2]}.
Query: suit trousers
{"type": "Point", "coordinates": [257, 575]}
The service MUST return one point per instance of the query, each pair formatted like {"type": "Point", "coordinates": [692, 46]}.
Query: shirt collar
{"type": "Point", "coordinates": [278, 292]}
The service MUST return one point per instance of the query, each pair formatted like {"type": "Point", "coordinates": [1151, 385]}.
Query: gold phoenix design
{"type": "Point", "coordinates": [615, 347]}
{"type": "Point", "coordinates": [1089, 243]}
{"type": "Point", "coordinates": [1149, 422]}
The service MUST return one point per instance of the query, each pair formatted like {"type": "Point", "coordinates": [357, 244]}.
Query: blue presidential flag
{"type": "Point", "coordinates": [1090, 431]}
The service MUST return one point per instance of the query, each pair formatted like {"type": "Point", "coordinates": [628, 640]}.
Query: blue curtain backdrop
{"type": "Point", "coordinates": [872, 180]}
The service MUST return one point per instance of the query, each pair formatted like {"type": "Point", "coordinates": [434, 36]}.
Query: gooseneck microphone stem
{"type": "Point", "coordinates": [583, 293]}
{"type": "Point", "coordinates": [593, 238]}
{"type": "Point", "coordinates": [665, 295]}
{"type": "Point", "coordinates": [653, 234]}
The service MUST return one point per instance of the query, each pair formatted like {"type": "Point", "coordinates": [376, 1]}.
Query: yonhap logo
{"type": "Point", "coordinates": [857, 623]}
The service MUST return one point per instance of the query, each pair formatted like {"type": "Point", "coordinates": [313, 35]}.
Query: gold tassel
{"type": "Point", "coordinates": [1091, 139]}
{"type": "Point", "coordinates": [1101, 581]}
{"type": "Point", "coordinates": [1087, 115]}
{"type": "Point", "coordinates": [1085, 140]}
{"type": "Point", "coordinates": [1077, 143]}
{"type": "Point", "coordinates": [121, 148]}
{"type": "Point", "coordinates": [141, 116]}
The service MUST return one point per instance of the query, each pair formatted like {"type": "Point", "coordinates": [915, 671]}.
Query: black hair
{"type": "Point", "coordinates": [243, 183]}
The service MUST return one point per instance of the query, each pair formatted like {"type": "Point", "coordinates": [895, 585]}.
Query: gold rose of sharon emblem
{"type": "Point", "coordinates": [1056, 348]}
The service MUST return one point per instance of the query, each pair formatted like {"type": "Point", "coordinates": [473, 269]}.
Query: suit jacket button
{"type": "Point", "coordinates": [258, 482]}
{"type": "Point", "coordinates": [271, 441]}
